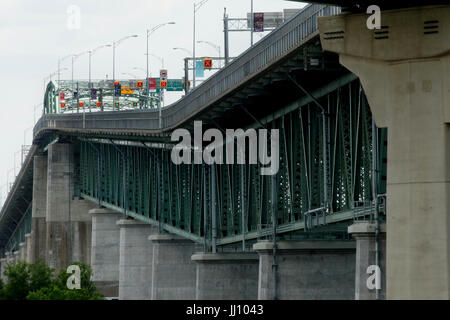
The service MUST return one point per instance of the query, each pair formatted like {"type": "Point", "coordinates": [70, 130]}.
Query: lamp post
{"type": "Point", "coordinates": [197, 6]}
{"type": "Point", "coordinates": [59, 65]}
{"type": "Point", "coordinates": [149, 32]}
{"type": "Point", "coordinates": [130, 74]}
{"type": "Point", "coordinates": [114, 45]}
{"type": "Point", "coordinates": [189, 52]}
{"type": "Point", "coordinates": [91, 53]}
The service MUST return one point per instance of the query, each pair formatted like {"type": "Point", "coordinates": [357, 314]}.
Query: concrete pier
{"type": "Point", "coordinates": [174, 273]}
{"type": "Point", "coordinates": [22, 251]}
{"type": "Point", "coordinates": [307, 270]}
{"type": "Point", "coordinates": [364, 234]}
{"type": "Point", "coordinates": [226, 276]}
{"type": "Point", "coordinates": [60, 183]}
{"type": "Point", "coordinates": [407, 90]}
{"type": "Point", "coordinates": [16, 256]}
{"type": "Point", "coordinates": [39, 209]}
{"type": "Point", "coordinates": [28, 247]}
{"type": "Point", "coordinates": [105, 251]}
{"type": "Point", "coordinates": [136, 258]}
{"type": "Point", "coordinates": [3, 264]}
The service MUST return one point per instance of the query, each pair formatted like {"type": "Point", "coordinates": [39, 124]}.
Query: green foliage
{"type": "Point", "coordinates": [38, 282]}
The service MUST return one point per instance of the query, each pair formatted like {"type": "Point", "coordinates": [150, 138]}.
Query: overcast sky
{"type": "Point", "coordinates": [34, 34]}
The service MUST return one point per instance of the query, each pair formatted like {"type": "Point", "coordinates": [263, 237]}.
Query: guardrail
{"type": "Point", "coordinates": [276, 45]}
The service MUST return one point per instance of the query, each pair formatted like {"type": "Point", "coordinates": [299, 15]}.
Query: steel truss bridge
{"type": "Point", "coordinates": [327, 143]}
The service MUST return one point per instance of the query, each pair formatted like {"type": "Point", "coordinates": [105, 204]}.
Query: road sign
{"type": "Point", "coordinates": [175, 85]}
{"type": "Point", "coordinates": [163, 83]}
{"type": "Point", "coordinates": [126, 91]}
{"type": "Point", "coordinates": [199, 69]}
{"type": "Point", "coordinates": [152, 84]}
{"type": "Point", "coordinates": [207, 63]}
{"type": "Point", "coordinates": [258, 22]}
{"type": "Point", "coordinates": [163, 74]}
{"type": "Point", "coordinates": [139, 84]}
{"type": "Point", "coordinates": [61, 96]}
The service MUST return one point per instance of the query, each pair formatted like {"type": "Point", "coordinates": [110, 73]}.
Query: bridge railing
{"type": "Point", "coordinates": [276, 45]}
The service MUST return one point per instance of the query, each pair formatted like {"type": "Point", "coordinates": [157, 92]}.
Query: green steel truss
{"type": "Point", "coordinates": [144, 183]}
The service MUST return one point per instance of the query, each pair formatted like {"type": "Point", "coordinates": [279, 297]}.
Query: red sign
{"type": "Point", "coordinates": [61, 96]}
{"type": "Point", "coordinates": [152, 84]}
{"type": "Point", "coordinates": [139, 84]}
{"type": "Point", "coordinates": [163, 83]}
{"type": "Point", "coordinates": [258, 22]}
{"type": "Point", "coordinates": [207, 63]}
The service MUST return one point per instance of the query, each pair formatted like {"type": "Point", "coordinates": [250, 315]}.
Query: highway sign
{"type": "Point", "coordinates": [126, 91]}
{"type": "Point", "coordinates": [175, 85]}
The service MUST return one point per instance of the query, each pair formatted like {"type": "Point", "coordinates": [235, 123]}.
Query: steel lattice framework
{"type": "Point", "coordinates": [143, 182]}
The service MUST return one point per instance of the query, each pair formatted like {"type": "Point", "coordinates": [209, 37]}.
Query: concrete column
{"type": "Point", "coordinates": [226, 276]}
{"type": "Point", "coordinates": [28, 246]}
{"type": "Point", "coordinates": [136, 258]}
{"type": "Point", "coordinates": [39, 209]}
{"type": "Point", "coordinates": [60, 182]}
{"type": "Point", "coordinates": [105, 251]}
{"type": "Point", "coordinates": [364, 234]}
{"type": "Point", "coordinates": [16, 256]}
{"type": "Point", "coordinates": [22, 251]}
{"type": "Point", "coordinates": [9, 257]}
{"type": "Point", "coordinates": [81, 222]}
{"type": "Point", "coordinates": [407, 89]}
{"type": "Point", "coordinates": [173, 273]}
{"type": "Point", "coordinates": [3, 264]}
{"type": "Point", "coordinates": [318, 270]}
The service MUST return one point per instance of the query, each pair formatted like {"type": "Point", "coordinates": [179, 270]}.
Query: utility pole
{"type": "Point", "coordinates": [225, 36]}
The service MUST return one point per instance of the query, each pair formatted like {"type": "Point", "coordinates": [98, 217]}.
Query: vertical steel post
{"type": "Point", "coordinates": [375, 203]}
{"type": "Point", "coordinates": [274, 249]}
{"type": "Point", "coordinates": [252, 23]}
{"type": "Point", "coordinates": [186, 75]}
{"type": "Point", "coordinates": [243, 206]}
{"type": "Point", "coordinates": [213, 208]}
{"type": "Point", "coordinates": [225, 36]}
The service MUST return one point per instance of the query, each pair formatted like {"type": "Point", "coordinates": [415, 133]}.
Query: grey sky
{"type": "Point", "coordinates": [34, 34]}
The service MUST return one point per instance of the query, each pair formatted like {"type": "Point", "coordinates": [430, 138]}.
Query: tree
{"type": "Point", "coordinates": [38, 282]}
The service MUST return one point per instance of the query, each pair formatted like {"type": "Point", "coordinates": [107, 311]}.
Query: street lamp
{"type": "Point", "coordinates": [140, 69]}
{"type": "Point", "coordinates": [197, 6]}
{"type": "Point", "coordinates": [149, 32]}
{"type": "Point", "coordinates": [215, 46]}
{"type": "Point", "coordinates": [159, 58]}
{"type": "Point", "coordinates": [91, 53]}
{"type": "Point", "coordinates": [59, 64]}
{"type": "Point", "coordinates": [114, 45]}
{"type": "Point", "coordinates": [130, 74]}
{"type": "Point", "coordinates": [189, 52]}
{"type": "Point", "coordinates": [75, 57]}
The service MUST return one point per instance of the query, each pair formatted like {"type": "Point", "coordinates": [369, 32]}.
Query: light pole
{"type": "Point", "coordinates": [189, 52]}
{"type": "Point", "coordinates": [215, 46]}
{"type": "Point", "coordinates": [130, 74]}
{"type": "Point", "coordinates": [149, 32]}
{"type": "Point", "coordinates": [161, 59]}
{"type": "Point", "coordinates": [141, 69]}
{"type": "Point", "coordinates": [59, 65]}
{"type": "Point", "coordinates": [75, 57]}
{"type": "Point", "coordinates": [251, 22]}
{"type": "Point", "coordinates": [197, 6]}
{"type": "Point", "coordinates": [91, 53]}
{"type": "Point", "coordinates": [161, 92]}
{"type": "Point", "coordinates": [114, 45]}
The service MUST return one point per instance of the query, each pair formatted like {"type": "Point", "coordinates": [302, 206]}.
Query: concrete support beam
{"type": "Point", "coordinates": [173, 273]}
{"type": "Point", "coordinates": [407, 89]}
{"type": "Point", "coordinates": [60, 184]}
{"type": "Point", "coordinates": [364, 234]}
{"type": "Point", "coordinates": [81, 222]}
{"type": "Point", "coordinates": [16, 256]}
{"type": "Point", "coordinates": [136, 258]}
{"type": "Point", "coordinates": [22, 251]}
{"type": "Point", "coordinates": [105, 251]}
{"type": "Point", "coordinates": [9, 257]}
{"type": "Point", "coordinates": [318, 270]}
{"type": "Point", "coordinates": [226, 276]}
{"type": "Point", "coordinates": [28, 246]}
{"type": "Point", "coordinates": [3, 264]}
{"type": "Point", "coordinates": [39, 209]}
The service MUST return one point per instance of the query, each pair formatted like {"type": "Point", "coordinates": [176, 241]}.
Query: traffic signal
{"type": "Point", "coordinates": [117, 104]}
{"type": "Point", "coordinates": [207, 63]}
{"type": "Point", "coordinates": [81, 104]}
{"type": "Point", "coordinates": [61, 96]}
{"type": "Point", "coordinates": [63, 105]}
{"type": "Point", "coordinates": [163, 83]}
{"type": "Point", "coordinates": [117, 89]}
{"type": "Point", "coordinates": [99, 104]}
{"type": "Point", "coordinates": [140, 84]}
{"type": "Point", "coordinates": [75, 94]}
{"type": "Point", "coordinates": [93, 94]}
{"type": "Point", "coordinates": [135, 104]}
